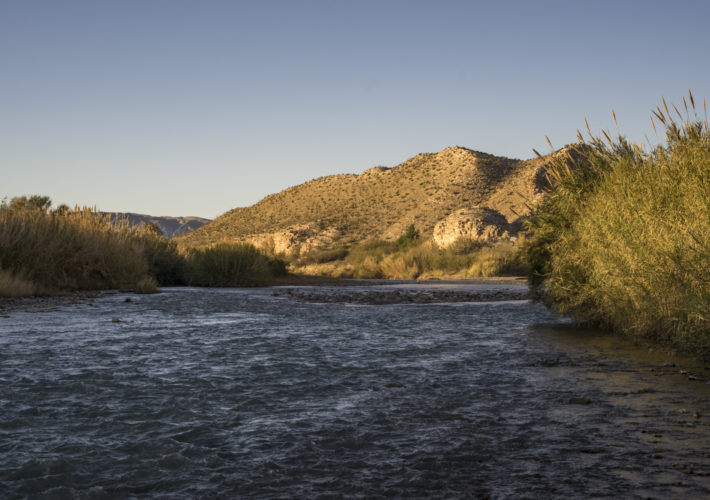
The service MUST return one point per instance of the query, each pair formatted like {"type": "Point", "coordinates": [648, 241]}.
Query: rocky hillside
{"type": "Point", "coordinates": [171, 226]}
{"type": "Point", "coordinates": [447, 195]}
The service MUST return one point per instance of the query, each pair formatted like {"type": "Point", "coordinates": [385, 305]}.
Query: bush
{"type": "Point", "coordinates": [372, 249]}
{"type": "Point", "coordinates": [501, 260]}
{"type": "Point", "coordinates": [322, 256]}
{"type": "Point", "coordinates": [410, 237]}
{"type": "Point", "coordinates": [228, 264]}
{"type": "Point", "coordinates": [166, 265]}
{"type": "Point", "coordinates": [464, 246]}
{"type": "Point", "coordinates": [623, 239]}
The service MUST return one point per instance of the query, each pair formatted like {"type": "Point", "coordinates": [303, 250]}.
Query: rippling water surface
{"type": "Point", "coordinates": [251, 393]}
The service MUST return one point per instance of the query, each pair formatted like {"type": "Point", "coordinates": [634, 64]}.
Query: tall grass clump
{"type": "Point", "coordinates": [47, 251]}
{"type": "Point", "coordinates": [67, 251]}
{"type": "Point", "coordinates": [166, 264]}
{"type": "Point", "coordinates": [15, 286]}
{"type": "Point", "coordinates": [229, 264]}
{"type": "Point", "coordinates": [623, 238]}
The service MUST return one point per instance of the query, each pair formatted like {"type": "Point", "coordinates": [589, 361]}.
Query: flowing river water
{"type": "Point", "coordinates": [411, 391]}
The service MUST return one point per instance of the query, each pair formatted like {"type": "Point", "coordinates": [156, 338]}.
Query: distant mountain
{"type": "Point", "coordinates": [446, 195]}
{"type": "Point", "coordinates": [171, 226]}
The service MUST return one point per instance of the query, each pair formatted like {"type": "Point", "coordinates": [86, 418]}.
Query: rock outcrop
{"type": "Point", "coordinates": [479, 224]}
{"type": "Point", "coordinates": [295, 241]}
{"type": "Point", "coordinates": [429, 190]}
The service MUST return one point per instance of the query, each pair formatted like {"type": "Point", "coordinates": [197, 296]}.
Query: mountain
{"type": "Point", "coordinates": [457, 188]}
{"type": "Point", "coordinates": [171, 226]}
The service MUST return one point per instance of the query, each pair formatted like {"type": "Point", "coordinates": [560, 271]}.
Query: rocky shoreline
{"type": "Point", "coordinates": [400, 296]}
{"type": "Point", "coordinates": [319, 289]}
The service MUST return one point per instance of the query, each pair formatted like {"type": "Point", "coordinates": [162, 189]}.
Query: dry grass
{"type": "Point", "coordinates": [14, 286]}
{"type": "Point", "coordinates": [624, 238]}
{"type": "Point", "coordinates": [377, 259]}
{"type": "Point", "coordinates": [146, 285]}
{"type": "Point", "coordinates": [72, 251]}
{"type": "Point", "coordinates": [43, 252]}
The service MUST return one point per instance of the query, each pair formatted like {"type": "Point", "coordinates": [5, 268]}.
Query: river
{"type": "Point", "coordinates": [435, 391]}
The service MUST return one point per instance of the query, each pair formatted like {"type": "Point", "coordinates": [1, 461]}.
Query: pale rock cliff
{"type": "Point", "coordinates": [297, 240]}
{"type": "Point", "coordinates": [478, 224]}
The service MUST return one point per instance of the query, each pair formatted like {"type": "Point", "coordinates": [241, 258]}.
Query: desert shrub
{"type": "Point", "coordinates": [230, 264]}
{"type": "Point", "coordinates": [322, 255]}
{"type": "Point", "coordinates": [410, 237]}
{"type": "Point", "coordinates": [369, 268]}
{"type": "Point", "coordinates": [499, 260]}
{"type": "Point", "coordinates": [623, 239]}
{"type": "Point", "coordinates": [406, 265]}
{"type": "Point", "coordinates": [371, 249]}
{"type": "Point", "coordinates": [464, 246]}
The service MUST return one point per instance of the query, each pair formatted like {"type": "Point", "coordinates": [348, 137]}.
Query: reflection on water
{"type": "Point", "coordinates": [258, 393]}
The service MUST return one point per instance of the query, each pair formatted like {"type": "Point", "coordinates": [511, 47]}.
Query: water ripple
{"type": "Point", "coordinates": [251, 393]}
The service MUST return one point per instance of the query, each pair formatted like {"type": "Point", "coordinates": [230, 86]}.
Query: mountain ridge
{"type": "Point", "coordinates": [381, 202]}
{"type": "Point", "coordinates": [170, 226]}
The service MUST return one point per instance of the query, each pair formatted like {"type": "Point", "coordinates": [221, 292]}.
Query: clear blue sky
{"type": "Point", "coordinates": [195, 107]}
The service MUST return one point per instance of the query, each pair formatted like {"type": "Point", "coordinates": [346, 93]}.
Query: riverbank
{"type": "Point", "coordinates": [49, 303]}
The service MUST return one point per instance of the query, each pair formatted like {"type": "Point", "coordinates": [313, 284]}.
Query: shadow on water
{"type": "Point", "coordinates": [646, 410]}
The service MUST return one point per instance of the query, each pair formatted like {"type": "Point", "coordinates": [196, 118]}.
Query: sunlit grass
{"type": "Point", "coordinates": [71, 251]}
{"type": "Point", "coordinates": [624, 237]}
{"type": "Point", "coordinates": [44, 251]}
{"type": "Point", "coordinates": [412, 258]}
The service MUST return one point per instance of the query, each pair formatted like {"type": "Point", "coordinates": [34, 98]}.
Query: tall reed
{"type": "Point", "coordinates": [44, 251]}
{"type": "Point", "coordinates": [623, 238]}
{"type": "Point", "coordinates": [70, 251]}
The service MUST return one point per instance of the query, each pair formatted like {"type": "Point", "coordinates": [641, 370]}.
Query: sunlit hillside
{"type": "Point", "coordinates": [382, 202]}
